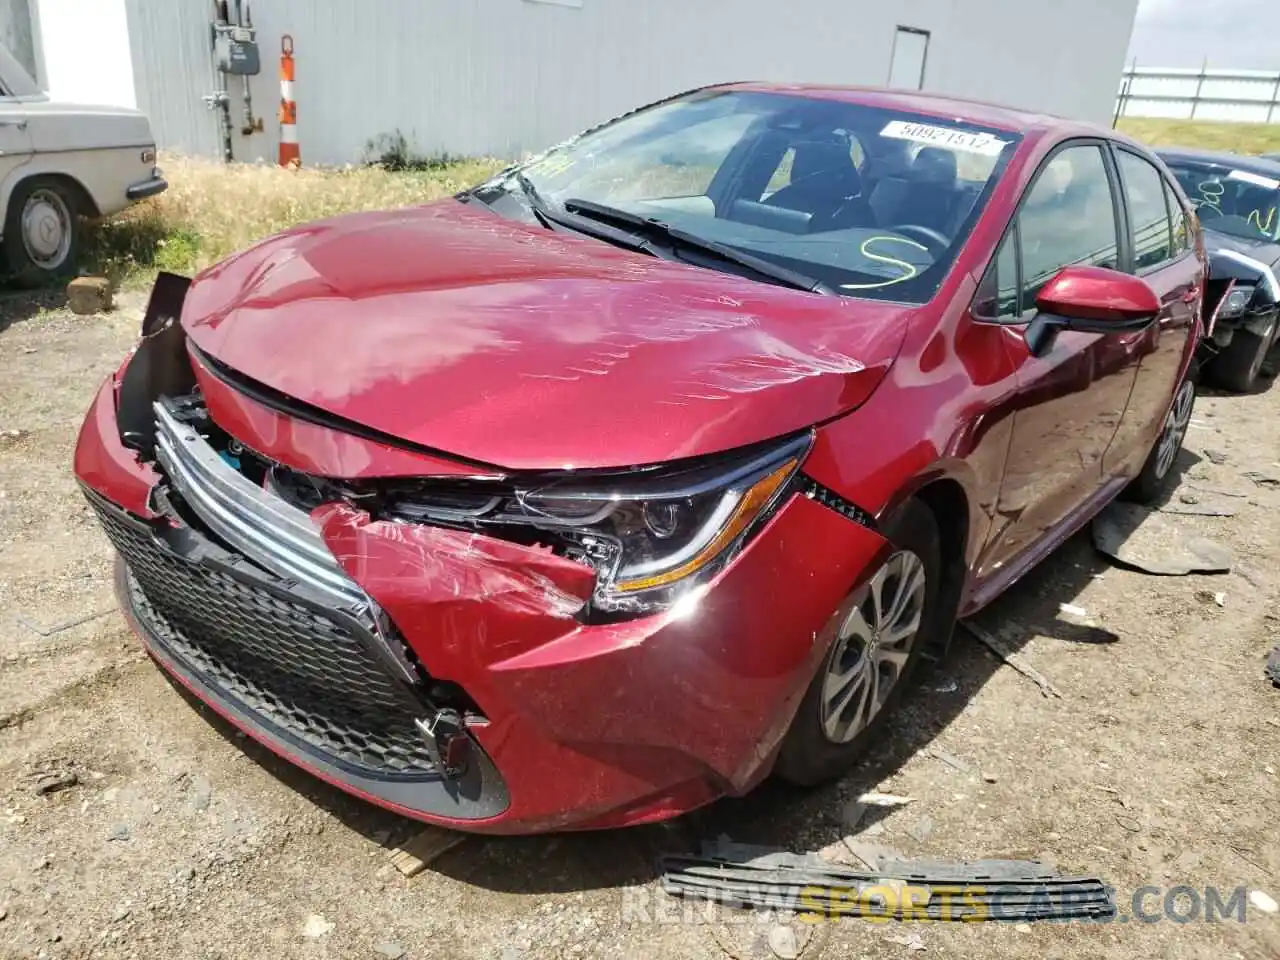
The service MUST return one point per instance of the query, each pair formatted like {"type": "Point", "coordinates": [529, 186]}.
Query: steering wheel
{"type": "Point", "coordinates": [932, 240]}
{"type": "Point", "coordinates": [1206, 211]}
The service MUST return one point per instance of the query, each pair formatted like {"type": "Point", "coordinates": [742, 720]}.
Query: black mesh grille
{"type": "Point", "coordinates": [306, 673]}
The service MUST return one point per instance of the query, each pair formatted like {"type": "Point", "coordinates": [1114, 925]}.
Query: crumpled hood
{"type": "Point", "coordinates": [485, 338]}
{"type": "Point", "coordinates": [1264, 251]}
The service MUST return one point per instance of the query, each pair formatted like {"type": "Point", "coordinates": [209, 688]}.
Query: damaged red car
{"type": "Point", "coordinates": [653, 465]}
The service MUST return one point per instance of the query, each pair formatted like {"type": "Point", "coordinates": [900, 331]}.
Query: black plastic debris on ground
{"type": "Point", "coordinates": [742, 875]}
{"type": "Point", "coordinates": [1273, 667]}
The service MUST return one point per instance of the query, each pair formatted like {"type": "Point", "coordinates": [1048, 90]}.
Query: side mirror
{"type": "Point", "coordinates": [1091, 300]}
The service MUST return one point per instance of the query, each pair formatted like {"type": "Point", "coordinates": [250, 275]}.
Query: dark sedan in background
{"type": "Point", "coordinates": [1238, 201]}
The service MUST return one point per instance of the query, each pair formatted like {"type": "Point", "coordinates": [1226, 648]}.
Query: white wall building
{"type": "Point", "coordinates": [502, 77]}
{"type": "Point", "coordinates": [77, 50]}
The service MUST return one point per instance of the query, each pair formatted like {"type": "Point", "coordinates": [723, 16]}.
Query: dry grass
{"type": "Point", "coordinates": [212, 209]}
{"type": "Point", "coordinates": [1245, 138]}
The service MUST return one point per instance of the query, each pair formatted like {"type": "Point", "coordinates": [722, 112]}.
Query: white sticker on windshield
{"type": "Point", "coordinates": [983, 143]}
{"type": "Point", "coordinates": [1244, 176]}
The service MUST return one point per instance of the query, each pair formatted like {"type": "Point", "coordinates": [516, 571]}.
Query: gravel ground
{"type": "Point", "coordinates": [1158, 765]}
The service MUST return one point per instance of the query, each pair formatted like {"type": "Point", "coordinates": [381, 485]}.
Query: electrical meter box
{"type": "Point", "coordinates": [235, 50]}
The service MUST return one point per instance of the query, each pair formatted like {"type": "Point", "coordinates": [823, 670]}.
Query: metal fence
{"type": "Point", "coordinates": [1242, 96]}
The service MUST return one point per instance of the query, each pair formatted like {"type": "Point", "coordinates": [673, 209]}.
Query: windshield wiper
{"type": "Point", "coordinates": [674, 237]}
{"type": "Point", "coordinates": [534, 198]}
{"type": "Point", "coordinates": [550, 218]}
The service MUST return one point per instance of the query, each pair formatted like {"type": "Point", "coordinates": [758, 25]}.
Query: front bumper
{"type": "Point", "coordinates": [588, 726]}
{"type": "Point", "coordinates": [367, 741]}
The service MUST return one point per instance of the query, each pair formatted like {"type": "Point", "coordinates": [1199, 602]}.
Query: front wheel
{"type": "Point", "coordinates": [876, 638]}
{"type": "Point", "coordinates": [1238, 366]}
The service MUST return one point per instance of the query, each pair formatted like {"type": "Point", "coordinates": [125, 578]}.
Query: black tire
{"type": "Point", "coordinates": [1156, 478]}
{"type": "Point", "coordinates": [808, 755]}
{"type": "Point", "coordinates": [1237, 368]}
{"type": "Point", "coordinates": [45, 204]}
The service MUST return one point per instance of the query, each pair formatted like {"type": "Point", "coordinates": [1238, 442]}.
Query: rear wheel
{"type": "Point", "coordinates": [1157, 473]}
{"type": "Point", "coordinates": [41, 236]}
{"type": "Point", "coordinates": [877, 636]}
{"type": "Point", "coordinates": [1237, 367]}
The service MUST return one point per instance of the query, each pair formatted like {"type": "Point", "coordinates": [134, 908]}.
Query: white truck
{"type": "Point", "coordinates": [60, 162]}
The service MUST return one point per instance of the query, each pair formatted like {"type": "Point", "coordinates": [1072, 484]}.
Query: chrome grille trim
{"type": "Point", "coordinates": [265, 528]}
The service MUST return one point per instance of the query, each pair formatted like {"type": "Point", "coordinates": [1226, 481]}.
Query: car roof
{"type": "Point", "coordinates": [979, 112]}
{"type": "Point", "coordinates": [1262, 166]}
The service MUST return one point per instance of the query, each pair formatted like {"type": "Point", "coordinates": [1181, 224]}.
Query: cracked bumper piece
{"type": "Point", "coordinates": [967, 891]}
{"type": "Point", "coordinates": [571, 725]}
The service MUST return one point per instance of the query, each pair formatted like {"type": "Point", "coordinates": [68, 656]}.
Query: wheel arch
{"type": "Point", "coordinates": [948, 498]}
{"type": "Point", "coordinates": [85, 205]}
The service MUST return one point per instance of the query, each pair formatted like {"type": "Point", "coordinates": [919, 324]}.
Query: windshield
{"type": "Point", "coordinates": [1237, 202]}
{"type": "Point", "coordinates": [867, 202]}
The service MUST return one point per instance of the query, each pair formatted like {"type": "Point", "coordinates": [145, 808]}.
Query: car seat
{"type": "Point", "coordinates": [924, 193]}
{"type": "Point", "coordinates": [826, 185]}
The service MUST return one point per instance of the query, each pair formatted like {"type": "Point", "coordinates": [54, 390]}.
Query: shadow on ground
{"type": "Point", "coordinates": [17, 305]}
{"type": "Point", "coordinates": [775, 814]}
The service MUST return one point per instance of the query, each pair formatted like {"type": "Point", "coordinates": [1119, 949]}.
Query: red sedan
{"type": "Point", "coordinates": [651, 466]}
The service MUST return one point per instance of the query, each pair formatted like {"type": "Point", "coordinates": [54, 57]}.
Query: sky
{"type": "Point", "coordinates": [1242, 34]}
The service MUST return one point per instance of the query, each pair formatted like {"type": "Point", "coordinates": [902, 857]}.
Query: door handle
{"type": "Point", "coordinates": [20, 124]}
{"type": "Point", "coordinates": [1191, 296]}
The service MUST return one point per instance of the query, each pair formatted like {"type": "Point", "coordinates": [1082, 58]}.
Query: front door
{"type": "Point", "coordinates": [1071, 401]}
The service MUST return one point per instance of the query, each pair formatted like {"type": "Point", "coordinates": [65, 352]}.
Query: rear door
{"type": "Point", "coordinates": [1071, 401]}
{"type": "Point", "coordinates": [1162, 255]}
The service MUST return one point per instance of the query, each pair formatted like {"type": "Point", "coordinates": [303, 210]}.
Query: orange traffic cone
{"type": "Point", "coordinates": [290, 151]}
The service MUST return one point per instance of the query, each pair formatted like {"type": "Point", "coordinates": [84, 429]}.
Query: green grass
{"type": "Point", "coordinates": [1246, 138]}
{"type": "Point", "coordinates": [212, 209]}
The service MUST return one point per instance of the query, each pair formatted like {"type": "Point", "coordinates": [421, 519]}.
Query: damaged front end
{"type": "Point", "coordinates": [651, 536]}
{"type": "Point", "coordinates": [1241, 296]}
{"type": "Point", "coordinates": [425, 631]}
{"type": "Point", "coordinates": [234, 588]}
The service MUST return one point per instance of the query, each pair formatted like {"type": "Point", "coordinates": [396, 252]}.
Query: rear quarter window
{"type": "Point", "coordinates": [1180, 223]}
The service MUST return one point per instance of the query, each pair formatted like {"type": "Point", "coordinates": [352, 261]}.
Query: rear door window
{"type": "Point", "coordinates": [1144, 193]}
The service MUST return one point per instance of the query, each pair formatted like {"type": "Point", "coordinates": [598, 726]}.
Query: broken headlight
{"type": "Point", "coordinates": [650, 534]}
{"type": "Point", "coordinates": [1235, 302]}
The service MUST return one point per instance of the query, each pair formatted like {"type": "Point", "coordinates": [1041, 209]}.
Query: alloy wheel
{"type": "Point", "coordinates": [1175, 428]}
{"type": "Point", "coordinates": [46, 229]}
{"type": "Point", "coordinates": [873, 647]}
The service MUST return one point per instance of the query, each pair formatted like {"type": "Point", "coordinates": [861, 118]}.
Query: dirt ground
{"type": "Point", "coordinates": [1157, 767]}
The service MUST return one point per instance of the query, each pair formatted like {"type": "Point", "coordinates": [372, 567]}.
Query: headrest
{"type": "Point", "coordinates": [934, 165]}
{"type": "Point", "coordinates": [826, 160]}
